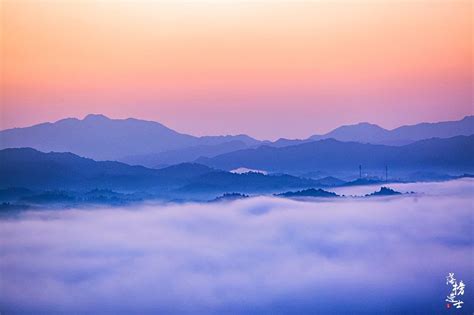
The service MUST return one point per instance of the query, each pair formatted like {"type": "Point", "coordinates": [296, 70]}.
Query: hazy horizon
{"type": "Point", "coordinates": [225, 134]}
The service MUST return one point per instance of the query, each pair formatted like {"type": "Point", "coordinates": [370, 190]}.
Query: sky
{"type": "Point", "coordinates": [269, 69]}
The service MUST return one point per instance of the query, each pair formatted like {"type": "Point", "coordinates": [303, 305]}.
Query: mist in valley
{"type": "Point", "coordinates": [381, 255]}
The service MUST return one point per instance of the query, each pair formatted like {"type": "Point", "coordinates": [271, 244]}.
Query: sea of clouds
{"type": "Point", "coordinates": [260, 255]}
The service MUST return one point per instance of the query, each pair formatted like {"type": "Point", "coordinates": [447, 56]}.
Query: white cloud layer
{"type": "Point", "coordinates": [254, 256]}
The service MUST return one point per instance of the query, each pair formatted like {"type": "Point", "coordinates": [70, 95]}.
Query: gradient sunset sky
{"type": "Point", "coordinates": [269, 69]}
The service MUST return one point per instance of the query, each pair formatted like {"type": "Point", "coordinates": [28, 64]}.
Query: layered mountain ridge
{"type": "Point", "coordinates": [152, 144]}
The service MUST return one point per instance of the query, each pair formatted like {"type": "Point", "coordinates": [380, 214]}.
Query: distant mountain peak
{"type": "Point", "coordinates": [102, 138]}
{"type": "Point", "coordinates": [367, 124]}
{"type": "Point", "coordinates": [61, 121]}
{"type": "Point", "coordinates": [96, 117]}
{"type": "Point", "coordinates": [363, 125]}
{"type": "Point", "coordinates": [365, 132]}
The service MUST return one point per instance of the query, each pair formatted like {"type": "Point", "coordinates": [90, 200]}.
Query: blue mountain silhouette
{"type": "Point", "coordinates": [452, 154]}
{"type": "Point", "coordinates": [370, 133]}
{"type": "Point", "coordinates": [32, 169]}
{"type": "Point", "coordinates": [152, 144]}
{"type": "Point", "coordinates": [101, 138]}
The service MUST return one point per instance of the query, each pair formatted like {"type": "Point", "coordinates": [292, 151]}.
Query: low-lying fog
{"type": "Point", "coordinates": [259, 255]}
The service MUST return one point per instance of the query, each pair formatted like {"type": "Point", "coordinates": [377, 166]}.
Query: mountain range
{"type": "Point", "coordinates": [101, 138]}
{"type": "Point", "coordinates": [450, 155]}
{"type": "Point", "coordinates": [152, 144]}
{"type": "Point", "coordinates": [34, 170]}
{"type": "Point", "coordinates": [55, 176]}
{"type": "Point", "coordinates": [374, 134]}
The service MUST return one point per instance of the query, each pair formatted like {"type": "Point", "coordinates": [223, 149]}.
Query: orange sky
{"type": "Point", "coordinates": [268, 68]}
